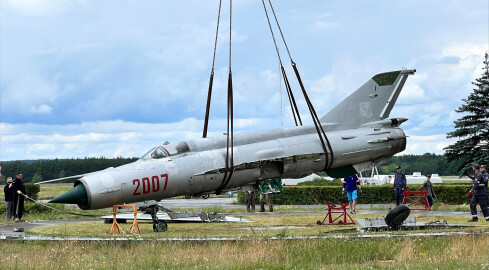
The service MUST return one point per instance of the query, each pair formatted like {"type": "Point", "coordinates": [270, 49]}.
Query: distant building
{"type": "Point", "coordinates": [294, 182]}
{"type": "Point", "coordinates": [417, 178]}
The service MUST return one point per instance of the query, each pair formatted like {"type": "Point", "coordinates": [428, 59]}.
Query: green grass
{"type": "Point", "coordinates": [37, 212]}
{"type": "Point", "coordinates": [455, 252]}
{"type": "Point", "coordinates": [257, 229]}
{"type": "Point", "coordinates": [50, 191]}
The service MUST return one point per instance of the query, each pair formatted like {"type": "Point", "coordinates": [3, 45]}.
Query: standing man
{"type": "Point", "coordinates": [17, 186]}
{"type": "Point", "coordinates": [250, 200]}
{"type": "Point", "coordinates": [399, 184]}
{"type": "Point", "coordinates": [485, 174]}
{"type": "Point", "coordinates": [350, 183]}
{"type": "Point", "coordinates": [9, 199]}
{"type": "Point", "coordinates": [428, 188]}
{"type": "Point", "coordinates": [479, 195]}
{"type": "Point", "coordinates": [266, 198]}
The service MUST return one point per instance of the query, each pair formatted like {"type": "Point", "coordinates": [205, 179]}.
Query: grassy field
{"type": "Point", "coordinates": [456, 252]}
{"type": "Point", "coordinates": [448, 252]}
{"type": "Point", "coordinates": [260, 228]}
{"type": "Point", "coordinates": [50, 191]}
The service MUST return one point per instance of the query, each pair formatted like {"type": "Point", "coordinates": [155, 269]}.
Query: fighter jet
{"type": "Point", "coordinates": [359, 130]}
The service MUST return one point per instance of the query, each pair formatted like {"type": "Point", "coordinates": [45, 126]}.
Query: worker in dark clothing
{"type": "Point", "coordinates": [428, 188]}
{"type": "Point", "coordinates": [18, 189]}
{"type": "Point", "coordinates": [250, 200]}
{"type": "Point", "coordinates": [9, 199]}
{"type": "Point", "coordinates": [479, 195]}
{"type": "Point", "coordinates": [485, 174]}
{"type": "Point", "coordinates": [399, 184]}
{"type": "Point", "coordinates": [266, 198]}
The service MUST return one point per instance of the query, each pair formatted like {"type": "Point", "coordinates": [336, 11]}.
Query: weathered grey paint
{"type": "Point", "coordinates": [360, 136]}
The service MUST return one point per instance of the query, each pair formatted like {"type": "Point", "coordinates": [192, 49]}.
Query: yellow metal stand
{"type": "Point", "coordinates": [116, 228]}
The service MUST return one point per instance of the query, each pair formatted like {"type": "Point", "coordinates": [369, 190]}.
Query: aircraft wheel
{"type": "Point", "coordinates": [205, 196]}
{"type": "Point", "coordinates": [161, 226]}
{"type": "Point", "coordinates": [188, 196]}
{"type": "Point", "coordinates": [397, 216]}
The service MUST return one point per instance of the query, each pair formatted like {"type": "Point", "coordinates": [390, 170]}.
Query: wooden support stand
{"type": "Point", "coordinates": [416, 198]}
{"type": "Point", "coordinates": [116, 228]}
{"type": "Point", "coordinates": [333, 209]}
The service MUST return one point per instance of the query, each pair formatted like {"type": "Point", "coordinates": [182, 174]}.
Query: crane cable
{"type": "Point", "coordinates": [229, 162]}
{"type": "Point", "coordinates": [319, 128]}
{"type": "Point", "coordinates": [211, 79]}
{"type": "Point", "coordinates": [293, 105]}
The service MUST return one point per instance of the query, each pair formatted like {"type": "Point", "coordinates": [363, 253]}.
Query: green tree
{"type": "Point", "coordinates": [37, 178]}
{"type": "Point", "coordinates": [62, 174]}
{"type": "Point", "coordinates": [472, 129]}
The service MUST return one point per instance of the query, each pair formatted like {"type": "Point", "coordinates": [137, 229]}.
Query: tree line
{"type": "Point", "coordinates": [426, 164]}
{"type": "Point", "coordinates": [40, 170]}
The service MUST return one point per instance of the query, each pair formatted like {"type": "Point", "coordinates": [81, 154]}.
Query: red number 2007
{"type": "Point", "coordinates": [149, 186]}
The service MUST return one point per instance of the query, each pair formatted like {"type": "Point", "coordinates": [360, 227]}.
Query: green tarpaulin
{"type": "Point", "coordinates": [272, 185]}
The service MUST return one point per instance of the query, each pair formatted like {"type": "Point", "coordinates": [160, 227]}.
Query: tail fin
{"type": "Point", "coordinates": [373, 101]}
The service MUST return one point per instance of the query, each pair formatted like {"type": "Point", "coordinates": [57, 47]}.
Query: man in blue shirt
{"type": "Point", "coordinates": [399, 184]}
{"type": "Point", "coordinates": [350, 183]}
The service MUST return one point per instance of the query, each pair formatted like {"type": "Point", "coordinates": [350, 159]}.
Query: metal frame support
{"type": "Point", "coordinates": [116, 228]}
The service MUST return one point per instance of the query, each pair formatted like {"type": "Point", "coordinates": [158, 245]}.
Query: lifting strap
{"type": "Point", "coordinates": [293, 105]}
{"type": "Point", "coordinates": [319, 128]}
{"type": "Point", "coordinates": [229, 163]}
{"type": "Point", "coordinates": [211, 80]}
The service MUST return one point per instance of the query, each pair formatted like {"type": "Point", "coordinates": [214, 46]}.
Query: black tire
{"type": "Point", "coordinates": [397, 216]}
{"type": "Point", "coordinates": [205, 196]}
{"type": "Point", "coordinates": [161, 226]}
{"type": "Point", "coordinates": [188, 196]}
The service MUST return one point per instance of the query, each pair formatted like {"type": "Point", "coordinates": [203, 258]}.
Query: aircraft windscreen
{"type": "Point", "coordinates": [147, 153]}
{"type": "Point", "coordinates": [177, 148]}
{"type": "Point", "coordinates": [158, 153]}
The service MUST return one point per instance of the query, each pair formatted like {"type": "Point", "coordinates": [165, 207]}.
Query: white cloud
{"type": "Point", "coordinates": [323, 25]}
{"type": "Point", "coordinates": [30, 92]}
{"type": "Point", "coordinates": [42, 109]}
{"type": "Point", "coordinates": [104, 138]}
{"type": "Point", "coordinates": [37, 7]}
{"type": "Point", "coordinates": [468, 53]}
{"type": "Point", "coordinates": [78, 62]}
{"type": "Point", "coordinates": [417, 145]}
{"type": "Point", "coordinates": [412, 92]}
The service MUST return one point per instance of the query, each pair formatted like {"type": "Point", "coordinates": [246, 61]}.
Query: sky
{"type": "Point", "coordinates": [115, 78]}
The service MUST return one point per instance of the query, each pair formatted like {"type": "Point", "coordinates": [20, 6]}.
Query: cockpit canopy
{"type": "Point", "coordinates": [166, 150]}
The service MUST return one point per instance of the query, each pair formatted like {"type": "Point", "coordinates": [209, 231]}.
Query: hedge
{"type": "Point", "coordinates": [307, 195]}
{"type": "Point", "coordinates": [29, 208]}
{"type": "Point", "coordinates": [32, 190]}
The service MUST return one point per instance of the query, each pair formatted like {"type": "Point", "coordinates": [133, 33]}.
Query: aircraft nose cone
{"type": "Point", "coordinates": [77, 195]}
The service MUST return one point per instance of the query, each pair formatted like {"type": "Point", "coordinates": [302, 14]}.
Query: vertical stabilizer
{"type": "Point", "coordinates": [373, 101]}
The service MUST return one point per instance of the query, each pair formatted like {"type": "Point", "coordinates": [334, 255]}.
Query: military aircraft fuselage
{"type": "Point", "coordinates": [360, 134]}
{"type": "Point", "coordinates": [199, 168]}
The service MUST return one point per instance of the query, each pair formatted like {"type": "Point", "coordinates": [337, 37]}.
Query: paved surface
{"type": "Point", "coordinates": [7, 231]}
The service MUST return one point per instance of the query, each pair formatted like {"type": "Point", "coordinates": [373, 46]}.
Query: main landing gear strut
{"type": "Point", "coordinates": [158, 225]}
